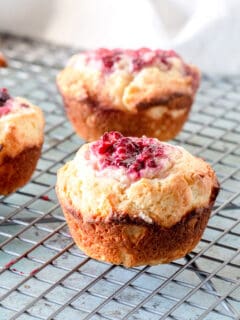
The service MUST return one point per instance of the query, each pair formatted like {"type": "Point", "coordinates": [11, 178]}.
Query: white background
{"type": "Point", "coordinates": [204, 32]}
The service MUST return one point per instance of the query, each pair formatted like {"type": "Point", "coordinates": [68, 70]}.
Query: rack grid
{"type": "Point", "coordinates": [42, 273]}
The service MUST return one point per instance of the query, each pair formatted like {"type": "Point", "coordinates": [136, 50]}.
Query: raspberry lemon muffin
{"type": "Point", "coordinates": [21, 139]}
{"type": "Point", "coordinates": [136, 201]}
{"type": "Point", "coordinates": [137, 92]}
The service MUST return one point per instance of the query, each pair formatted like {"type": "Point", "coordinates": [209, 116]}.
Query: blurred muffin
{"type": "Point", "coordinates": [21, 139]}
{"type": "Point", "coordinates": [137, 92]}
{"type": "Point", "coordinates": [3, 61]}
{"type": "Point", "coordinates": [136, 201]}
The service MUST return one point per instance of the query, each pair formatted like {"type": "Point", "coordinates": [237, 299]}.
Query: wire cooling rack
{"type": "Point", "coordinates": [42, 273]}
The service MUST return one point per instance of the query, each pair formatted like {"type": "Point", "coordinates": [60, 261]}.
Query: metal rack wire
{"type": "Point", "coordinates": [42, 273]}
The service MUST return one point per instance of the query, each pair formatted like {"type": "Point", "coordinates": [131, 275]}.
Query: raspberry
{"type": "Point", "coordinates": [4, 96]}
{"type": "Point", "coordinates": [133, 154]}
{"type": "Point", "coordinates": [139, 59]}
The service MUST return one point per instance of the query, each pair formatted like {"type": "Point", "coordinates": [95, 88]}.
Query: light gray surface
{"type": "Point", "coordinates": [204, 285]}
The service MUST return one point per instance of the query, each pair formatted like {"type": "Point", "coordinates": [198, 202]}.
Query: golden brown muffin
{"type": "Point", "coordinates": [3, 61]}
{"type": "Point", "coordinates": [21, 139]}
{"type": "Point", "coordinates": [137, 92]}
{"type": "Point", "coordinates": [136, 201]}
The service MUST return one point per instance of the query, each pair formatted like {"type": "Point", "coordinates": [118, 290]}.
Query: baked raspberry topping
{"type": "Point", "coordinates": [7, 103]}
{"type": "Point", "coordinates": [139, 58]}
{"type": "Point", "coordinates": [135, 155]}
{"type": "Point", "coordinates": [4, 97]}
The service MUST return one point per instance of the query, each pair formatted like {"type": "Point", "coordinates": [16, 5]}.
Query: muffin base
{"type": "Point", "coordinates": [121, 240]}
{"type": "Point", "coordinates": [91, 120]}
{"type": "Point", "coordinates": [15, 172]}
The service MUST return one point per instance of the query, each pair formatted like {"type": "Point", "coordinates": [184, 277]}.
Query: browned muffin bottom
{"type": "Point", "coordinates": [90, 120]}
{"type": "Point", "coordinates": [15, 172]}
{"type": "Point", "coordinates": [133, 242]}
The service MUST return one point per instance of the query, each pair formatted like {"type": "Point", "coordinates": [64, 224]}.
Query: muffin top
{"type": "Point", "coordinates": [117, 178]}
{"type": "Point", "coordinates": [21, 125]}
{"type": "Point", "coordinates": [128, 79]}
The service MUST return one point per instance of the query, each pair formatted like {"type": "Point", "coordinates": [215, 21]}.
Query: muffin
{"type": "Point", "coordinates": [3, 61]}
{"type": "Point", "coordinates": [21, 139]}
{"type": "Point", "coordinates": [136, 201]}
{"type": "Point", "coordinates": [137, 92]}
